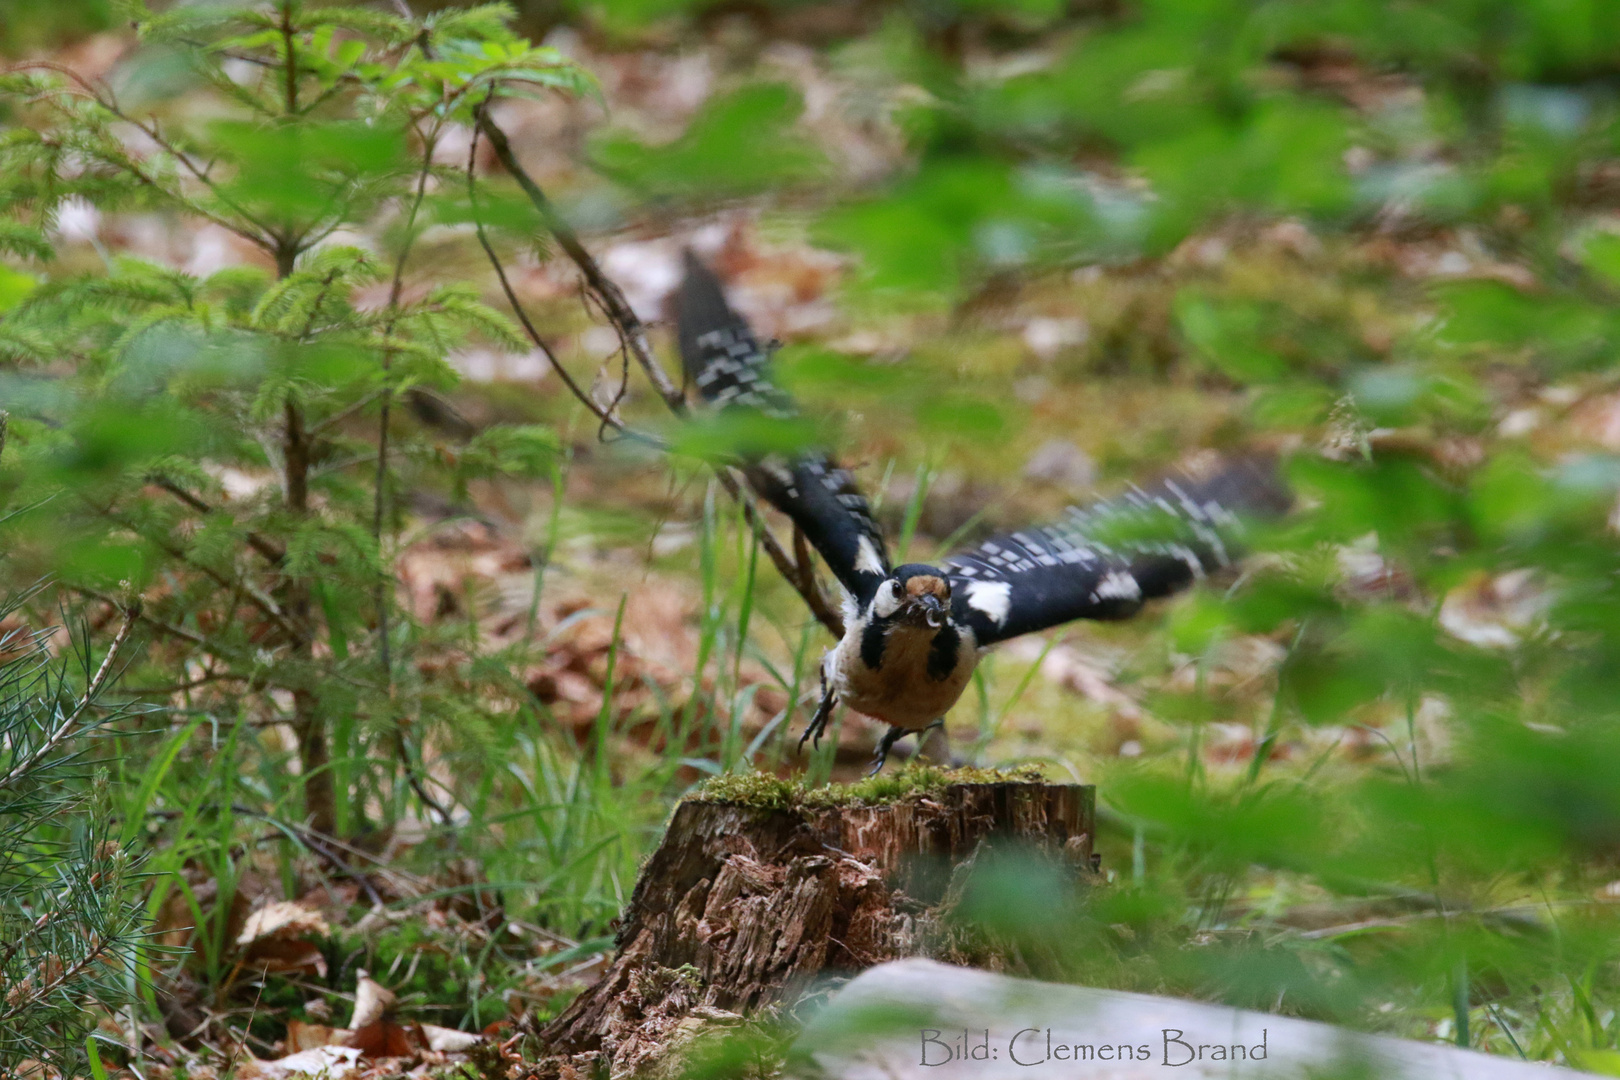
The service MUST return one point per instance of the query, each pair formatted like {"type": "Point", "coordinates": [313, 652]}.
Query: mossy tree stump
{"type": "Point", "coordinates": [753, 894]}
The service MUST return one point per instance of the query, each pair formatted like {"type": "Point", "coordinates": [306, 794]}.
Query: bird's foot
{"type": "Point", "coordinates": [885, 744]}
{"type": "Point", "coordinates": [818, 723]}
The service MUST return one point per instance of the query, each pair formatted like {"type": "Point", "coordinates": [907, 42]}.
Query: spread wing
{"type": "Point", "coordinates": [1104, 561]}
{"type": "Point", "coordinates": [726, 363]}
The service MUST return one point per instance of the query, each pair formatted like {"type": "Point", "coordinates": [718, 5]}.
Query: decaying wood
{"type": "Point", "coordinates": [742, 907]}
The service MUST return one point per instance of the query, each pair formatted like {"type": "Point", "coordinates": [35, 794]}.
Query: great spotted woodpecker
{"type": "Point", "coordinates": [914, 633]}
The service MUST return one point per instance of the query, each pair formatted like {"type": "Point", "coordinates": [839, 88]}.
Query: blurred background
{"type": "Point", "coordinates": [425, 654]}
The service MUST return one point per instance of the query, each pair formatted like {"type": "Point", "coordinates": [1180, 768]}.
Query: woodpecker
{"type": "Point", "coordinates": [913, 634]}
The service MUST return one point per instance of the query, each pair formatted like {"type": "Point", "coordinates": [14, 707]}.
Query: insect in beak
{"type": "Point", "coordinates": [932, 610]}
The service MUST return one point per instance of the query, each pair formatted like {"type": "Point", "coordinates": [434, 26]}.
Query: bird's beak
{"type": "Point", "coordinates": [933, 612]}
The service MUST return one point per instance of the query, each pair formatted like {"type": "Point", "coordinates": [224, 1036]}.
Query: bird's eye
{"type": "Point", "coordinates": [887, 600]}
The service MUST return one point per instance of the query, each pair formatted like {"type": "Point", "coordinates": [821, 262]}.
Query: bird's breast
{"type": "Point", "coordinates": [918, 675]}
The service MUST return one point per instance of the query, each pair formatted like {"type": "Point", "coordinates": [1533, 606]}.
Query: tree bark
{"type": "Point", "coordinates": [320, 793]}
{"type": "Point", "coordinates": [741, 906]}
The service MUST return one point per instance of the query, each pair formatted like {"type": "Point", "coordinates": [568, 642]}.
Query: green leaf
{"type": "Point", "coordinates": [152, 778]}
{"type": "Point", "coordinates": [971, 419]}
{"type": "Point", "coordinates": [298, 172]}
{"type": "Point", "coordinates": [104, 562]}
{"type": "Point", "coordinates": [1561, 328]}
{"type": "Point", "coordinates": [97, 1070]}
{"type": "Point", "coordinates": [1601, 254]}
{"type": "Point", "coordinates": [739, 143]}
{"type": "Point", "coordinates": [1230, 335]}
{"type": "Point", "coordinates": [743, 433]}
{"type": "Point", "coordinates": [1284, 158]}
{"type": "Point", "coordinates": [14, 287]}
{"type": "Point", "coordinates": [918, 240]}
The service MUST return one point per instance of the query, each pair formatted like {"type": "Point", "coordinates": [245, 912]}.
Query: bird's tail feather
{"type": "Point", "coordinates": [723, 359]}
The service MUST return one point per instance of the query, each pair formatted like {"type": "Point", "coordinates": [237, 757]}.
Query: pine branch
{"type": "Point", "coordinates": [271, 553]}
{"type": "Point", "coordinates": [104, 99]}
{"type": "Point", "coordinates": [26, 1002]}
{"type": "Point", "coordinates": [71, 723]}
{"type": "Point", "coordinates": [259, 598]}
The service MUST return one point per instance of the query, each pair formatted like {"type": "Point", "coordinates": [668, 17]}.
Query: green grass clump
{"type": "Point", "coordinates": [775, 793]}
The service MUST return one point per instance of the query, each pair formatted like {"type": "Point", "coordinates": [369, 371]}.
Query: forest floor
{"type": "Point", "coordinates": [629, 591]}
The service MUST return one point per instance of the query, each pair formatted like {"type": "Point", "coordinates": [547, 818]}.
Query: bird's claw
{"type": "Point", "coordinates": [885, 744]}
{"type": "Point", "coordinates": [894, 735]}
{"type": "Point", "coordinates": [818, 723]}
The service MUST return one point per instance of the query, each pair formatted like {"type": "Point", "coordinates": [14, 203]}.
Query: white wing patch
{"type": "Point", "coordinates": [1117, 585]}
{"type": "Point", "coordinates": [991, 597]}
{"type": "Point", "coordinates": [848, 606]}
{"type": "Point", "coordinates": [866, 558]}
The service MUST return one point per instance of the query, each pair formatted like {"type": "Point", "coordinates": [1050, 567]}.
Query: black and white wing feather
{"type": "Point", "coordinates": [1104, 561]}
{"type": "Point", "coordinates": [724, 360]}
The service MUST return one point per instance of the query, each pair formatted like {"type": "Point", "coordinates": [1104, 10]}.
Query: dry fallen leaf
{"type": "Point", "coordinates": [1494, 613]}
{"type": "Point", "coordinates": [449, 1040]}
{"type": "Point", "coordinates": [372, 1030]}
{"type": "Point", "coordinates": [382, 1039]}
{"type": "Point", "coordinates": [1074, 670]}
{"type": "Point", "coordinates": [323, 1063]}
{"type": "Point", "coordinates": [277, 937]}
{"type": "Point", "coordinates": [285, 919]}
{"type": "Point", "coordinates": [302, 1036]}
{"type": "Point", "coordinates": [372, 1000]}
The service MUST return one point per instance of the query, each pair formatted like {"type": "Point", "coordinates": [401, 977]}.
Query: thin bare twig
{"type": "Point", "coordinates": [265, 548]}
{"type": "Point", "coordinates": [784, 563]}
{"type": "Point", "coordinates": [193, 684]}
{"type": "Point", "coordinates": [157, 624]}
{"type": "Point", "coordinates": [619, 311]}
{"type": "Point", "coordinates": [810, 589]}
{"type": "Point", "coordinates": [607, 419]}
{"type": "Point", "coordinates": [633, 333]}
{"type": "Point", "coordinates": [343, 414]}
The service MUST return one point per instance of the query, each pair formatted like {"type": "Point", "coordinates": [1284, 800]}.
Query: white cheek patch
{"type": "Point", "coordinates": [866, 557]}
{"type": "Point", "coordinates": [991, 597]}
{"type": "Point", "coordinates": [887, 600]}
{"type": "Point", "coordinates": [1117, 585]}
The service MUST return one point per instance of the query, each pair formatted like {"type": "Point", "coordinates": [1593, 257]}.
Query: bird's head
{"type": "Point", "coordinates": [917, 594]}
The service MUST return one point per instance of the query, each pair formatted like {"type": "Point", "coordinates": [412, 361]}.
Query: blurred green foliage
{"type": "Point", "coordinates": [28, 27]}
{"type": "Point", "coordinates": [1457, 876]}
{"type": "Point", "coordinates": [232, 445]}
{"type": "Point", "coordinates": [1378, 226]}
{"type": "Point", "coordinates": [739, 144]}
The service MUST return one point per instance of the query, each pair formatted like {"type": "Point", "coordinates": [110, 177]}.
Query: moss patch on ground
{"type": "Point", "coordinates": [775, 793]}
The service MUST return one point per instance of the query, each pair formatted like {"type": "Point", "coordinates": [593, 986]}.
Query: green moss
{"type": "Point", "coordinates": [774, 793]}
